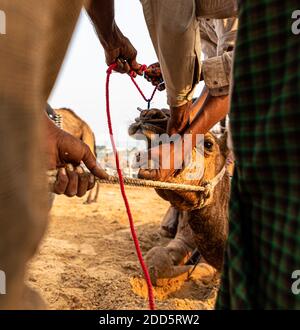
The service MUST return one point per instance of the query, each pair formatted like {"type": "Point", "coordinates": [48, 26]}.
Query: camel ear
{"type": "Point", "coordinates": [223, 143]}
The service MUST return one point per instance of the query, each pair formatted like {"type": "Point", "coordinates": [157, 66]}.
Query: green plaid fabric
{"type": "Point", "coordinates": [264, 241]}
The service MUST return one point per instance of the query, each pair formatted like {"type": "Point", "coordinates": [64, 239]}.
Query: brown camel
{"type": "Point", "coordinates": [73, 124]}
{"type": "Point", "coordinates": [204, 226]}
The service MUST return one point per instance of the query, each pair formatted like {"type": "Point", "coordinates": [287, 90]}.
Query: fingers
{"type": "Point", "coordinates": [91, 182]}
{"type": "Point", "coordinates": [73, 182]}
{"type": "Point", "coordinates": [61, 183]}
{"type": "Point", "coordinates": [136, 67]}
{"type": "Point", "coordinates": [90, 162]}
{"type": "Point", "coordinates": [154, 70]}
{"type": "Point", "coordinates": [83, 181]}
{"type": "Point", "coordinates": [161, 87]}
{"type": "Point", "coordinates": [66, 182]}
{"type": "Point", "coordinates": [125, 58]}
{"type": "Point", "coordinates": [73, 151]}
{"type": "Point", "coordinates": [153, 74]}
{"type": "Point", "coordinates": [154, 80]}
{"type": "Point", "coordinates": [123, 66]}
{"type": "Point", "coordinates": [113, 56]}
{"type": "Point", "coordinates": [131, 67]}
{"type": "Point", "coordinates": [72, 187]}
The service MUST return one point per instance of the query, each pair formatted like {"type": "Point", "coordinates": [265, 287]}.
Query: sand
{"type": "Point", "coordinates": [87, 259]}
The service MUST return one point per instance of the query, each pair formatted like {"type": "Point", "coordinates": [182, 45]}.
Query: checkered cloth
{"type": "Point", "coordinates": [264, 242]}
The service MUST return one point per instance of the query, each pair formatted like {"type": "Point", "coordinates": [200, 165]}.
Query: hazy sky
{"type": "Point", "coordinates": [81, 83]}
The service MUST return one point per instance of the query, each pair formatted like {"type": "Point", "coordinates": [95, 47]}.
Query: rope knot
{"type": "Point", "coordinates": [207, 190]}
{"type": "Point", "coordinates": [144, 67]}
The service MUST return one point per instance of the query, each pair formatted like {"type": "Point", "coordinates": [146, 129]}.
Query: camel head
{"type": "Point", "coordinates": [213, 159]}
{"type": "Point", "coordinates": [212, 154]}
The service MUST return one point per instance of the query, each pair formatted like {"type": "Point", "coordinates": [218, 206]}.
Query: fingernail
{"type": "Point", "coordinates": [79, 170]}
{"type": "Point", "coordinates": [70, 167]}
{"type": "Point", "coordinates": [63, 171]}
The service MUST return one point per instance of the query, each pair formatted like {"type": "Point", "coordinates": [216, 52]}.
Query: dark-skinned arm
{"type": "Point", "coordinates": [214, 109]}
{"type": "Point", "coordinates": [116, 46]}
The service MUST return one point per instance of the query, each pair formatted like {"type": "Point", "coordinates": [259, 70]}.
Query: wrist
{"type": "Point", "coordinates": [111, 38]}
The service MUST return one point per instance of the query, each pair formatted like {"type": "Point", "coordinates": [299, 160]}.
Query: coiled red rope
{"type": "Point", "coordinates": [123, 192]}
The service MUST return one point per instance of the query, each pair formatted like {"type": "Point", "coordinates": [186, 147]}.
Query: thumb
{"type": "Point", "coordinates": [90, 162]}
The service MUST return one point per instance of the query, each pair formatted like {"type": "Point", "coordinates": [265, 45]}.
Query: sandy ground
{"type": "Point", "coordinates": [87, 259]}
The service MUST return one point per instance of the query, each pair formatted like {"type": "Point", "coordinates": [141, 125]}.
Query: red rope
{"type": "Point", "coordinates": [143, 69]}
{"type": "Point", "coordinates": [123, 192]}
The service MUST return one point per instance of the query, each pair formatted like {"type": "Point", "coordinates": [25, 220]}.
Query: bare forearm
{"type": "Point", "coordinates": [198, 104]}
{"type": "Point", "coordinates": [102, 14]}
{"type": "Point", "coordinates": [117, 48]}
{"type": "Point", "coordinates": [214, 110]}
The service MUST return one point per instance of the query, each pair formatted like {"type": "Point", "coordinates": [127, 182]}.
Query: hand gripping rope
{"type": "Point", "coordinates": [122, 186]}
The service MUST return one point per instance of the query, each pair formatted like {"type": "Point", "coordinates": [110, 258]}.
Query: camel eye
{"type": "Point", "coordinates": [208, 145]}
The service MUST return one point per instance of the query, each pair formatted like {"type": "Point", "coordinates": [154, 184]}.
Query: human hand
{"type": "Point", "coordinates": [153, 74]}
{"type": "Point", "coordinates": [119, 50]}
{"type": "Point", "coordinates": [66, 153]}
